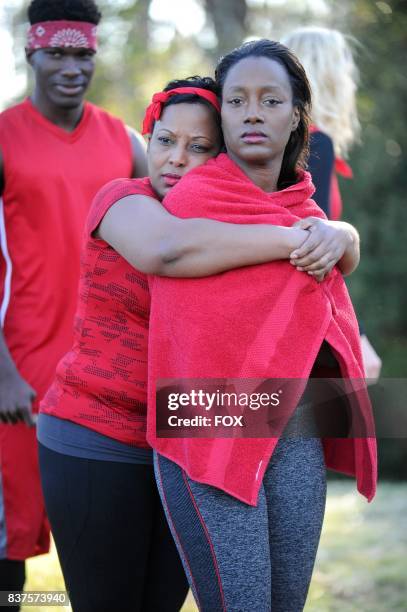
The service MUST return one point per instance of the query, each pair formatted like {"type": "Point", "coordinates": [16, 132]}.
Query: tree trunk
{"type": "Point", "coordinates": [229, 20]}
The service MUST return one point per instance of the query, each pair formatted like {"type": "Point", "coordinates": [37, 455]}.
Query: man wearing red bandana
{"type": "Point", "coordinates": [56, 152]}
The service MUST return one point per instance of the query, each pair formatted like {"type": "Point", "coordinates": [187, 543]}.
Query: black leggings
{"type": "Point", "coordinates": [113, 542]}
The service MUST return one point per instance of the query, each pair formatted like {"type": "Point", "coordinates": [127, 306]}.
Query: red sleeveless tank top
{"type": "Point", "coordinates": [51, 177]}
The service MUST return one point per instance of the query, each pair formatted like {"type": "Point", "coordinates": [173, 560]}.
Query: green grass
{"type": "Point", "coordinates": [362, 560]}
{"type": "Point", "coordinates": [361, 564]}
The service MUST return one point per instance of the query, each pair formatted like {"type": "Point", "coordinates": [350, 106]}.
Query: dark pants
{"type": "Point", "coordinates": [113, 542]}
{"type": "Point", "coordinates": [12, 578]}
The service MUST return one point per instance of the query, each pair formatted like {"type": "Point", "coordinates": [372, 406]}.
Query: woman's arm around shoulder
{"type": "Point", "coordinates": [152, 240]}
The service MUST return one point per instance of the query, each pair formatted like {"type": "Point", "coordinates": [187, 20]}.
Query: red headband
{"type": "Point", "coordinates": [61, 33]}
{"type": "Point", "coordinates": [154, 110]}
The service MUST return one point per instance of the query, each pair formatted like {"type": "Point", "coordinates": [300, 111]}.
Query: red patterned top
{"type": "Point", "coordinates": [101, 383]}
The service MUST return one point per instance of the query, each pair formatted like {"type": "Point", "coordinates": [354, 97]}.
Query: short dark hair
{"type": "Point", "coordinates": [191, 98]}
{"type": "Point", "coordinates": [71, 10]}
{"type": "Point", "coordinates": [297, 148]}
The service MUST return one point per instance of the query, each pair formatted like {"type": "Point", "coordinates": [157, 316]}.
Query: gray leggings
{"type": "Point", "coordinates": [240, 558]}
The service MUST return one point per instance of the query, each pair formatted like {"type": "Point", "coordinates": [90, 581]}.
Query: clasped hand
{"type": "Point", "coordinates": [321, 251]}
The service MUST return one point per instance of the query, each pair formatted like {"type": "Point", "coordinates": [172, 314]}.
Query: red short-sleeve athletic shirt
{"type": "Point", "coordinates": [101, 383]}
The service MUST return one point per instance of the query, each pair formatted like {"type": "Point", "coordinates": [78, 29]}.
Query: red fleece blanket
{"type": "Point", "coordinates": [264, 321]}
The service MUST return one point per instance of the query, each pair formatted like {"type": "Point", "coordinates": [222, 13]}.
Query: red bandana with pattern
{"type": "Point", "coordinates": [62, 33]}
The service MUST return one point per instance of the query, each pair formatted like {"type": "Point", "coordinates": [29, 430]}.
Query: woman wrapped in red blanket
{"type": "Point", "coordinates": [94, 457]}
{"type": "Point", "coordinates": [267, 321]}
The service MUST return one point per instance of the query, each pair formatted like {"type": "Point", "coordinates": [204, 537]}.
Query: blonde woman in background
{"type": "Point", "coordinates": [328, 61]}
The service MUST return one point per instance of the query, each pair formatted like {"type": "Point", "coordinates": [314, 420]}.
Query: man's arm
{"type": "Point", "coordinates": [16, 396]}
{"type": "Point", "coordinates": [139, 153]}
